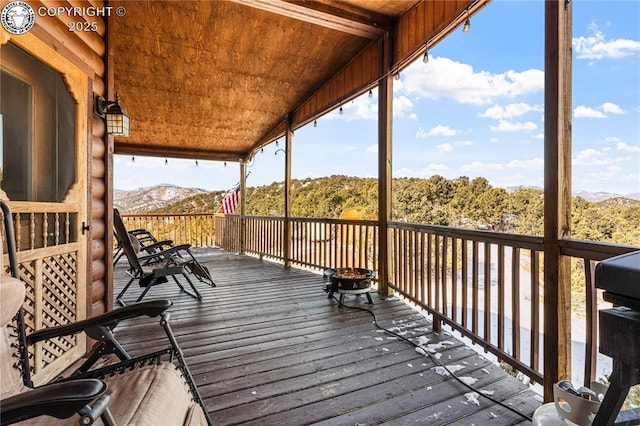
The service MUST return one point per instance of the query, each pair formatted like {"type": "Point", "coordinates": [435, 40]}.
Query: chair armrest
{"type": "Point", "coordinates": [151, 309]}
{"type": "Point", "coordinates": [164, 254]}
{"type": "Point", "coordinates": [157, 245]}
{"type": "Point", "coordinates": [59, 400]}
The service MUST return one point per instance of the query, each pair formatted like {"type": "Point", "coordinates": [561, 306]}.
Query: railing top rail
{"type": "Point", "coordinates": [335, 221]}
{"type": "Point", "coordinates": [274, 218]}
{"type": "Point", "coordinates": [38, 207]}
{"type": "Point", "coordinates": [516, 240]}
{"type": "Point", "coordinates": [165, 214]}
{"type": "Point", "coordinates": [308, 219]}
{"type": "Point", "coordinates": [593, 250]}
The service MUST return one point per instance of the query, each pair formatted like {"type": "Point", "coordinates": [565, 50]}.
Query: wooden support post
{"type": "Point", "coordinates": [385, 118]}
{"type": "Point", "coordinates": [243, 205]}
{"type": "Point", "coordinates": [108, 197]}
{"type": "Point", "coordinates": [286, 237]}
{"type": "Point", "coordinates": [557, 193]}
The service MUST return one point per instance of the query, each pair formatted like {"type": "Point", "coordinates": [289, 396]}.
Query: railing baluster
{"type": "Point", "coordinates": [454, 279]}
{"type": "Point", "coordinates": [45, 229]}
{"type": "Point", "coordinates": [436, 270]}
{"type": "Point", "coordinates": [501, 297]}
{"type": "Point", "coordinates": [535, 311]}
{"type": "Point", "coordinates": [429, 276]}
{"type": "Point", "coordinates": [515, 302]}
{"type": "Point", "coordinates": [591, 337]}
{"type": "Point", "coordinates": [487, 292]}
{"type": "Point", "coordinates": [17, 226]}
{"type": "Point", "coordinates": [475, 307]}
{"type": "Point", "coordinates": [443, 275]}
{"type": "Point", "coordinates": [465, 283]}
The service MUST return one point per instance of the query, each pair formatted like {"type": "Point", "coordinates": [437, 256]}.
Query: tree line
{"type": "Point", "coordinates": [461, 202]}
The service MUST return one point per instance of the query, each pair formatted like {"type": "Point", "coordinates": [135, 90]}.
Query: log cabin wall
{"type": "Point", "coordinates": [80, 39]}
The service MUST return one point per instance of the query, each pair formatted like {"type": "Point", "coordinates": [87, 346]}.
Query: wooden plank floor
{"type": "Point", "coordinates": [267, 347]}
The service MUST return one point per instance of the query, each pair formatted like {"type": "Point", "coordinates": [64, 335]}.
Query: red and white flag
{"type": "Point", "coordinates": [230, 200]}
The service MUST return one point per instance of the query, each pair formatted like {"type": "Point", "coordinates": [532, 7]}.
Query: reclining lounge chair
{"type": "Point", "coordinates": [155, 388]}
{"type": "Point", "coordinates": [154, 267]}
{"type": "Point", "coordinates": [145, 243]}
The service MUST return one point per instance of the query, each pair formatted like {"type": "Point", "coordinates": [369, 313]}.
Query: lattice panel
{"type": "Point", "coordinates": [59, 302]}
{"type": "Point", "coordinates": [51, 301]}
{"type": "Point", "coordinates": [26, 271]}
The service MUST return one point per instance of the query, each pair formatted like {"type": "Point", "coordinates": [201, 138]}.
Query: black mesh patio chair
{"type": "Point", "coordinates": [154, 388]}
{"type": "Point", "coordinates": [143, 236]}
{"type": "Point", "coordinates": [151, 269]}
{"type": "Point", "coordinates": [82, 399]}
{"type": "Point", "coordinates": [146, 243]}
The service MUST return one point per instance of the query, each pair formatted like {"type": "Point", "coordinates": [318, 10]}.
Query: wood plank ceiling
{"type": "Point", "coordinates": [219, 79]}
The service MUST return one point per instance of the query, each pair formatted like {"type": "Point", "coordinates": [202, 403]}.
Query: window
{"type": "Point", "coordinates": [38, 116]}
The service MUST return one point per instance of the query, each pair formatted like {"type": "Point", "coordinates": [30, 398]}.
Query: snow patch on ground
{"type": "Point", "coordinates": [472, 398]}
{"type": "Point", "coordinates": [451, 368]}
{"type": "Point", "coordinates": [467, 380]}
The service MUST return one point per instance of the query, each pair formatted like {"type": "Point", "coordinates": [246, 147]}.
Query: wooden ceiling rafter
{"type": "Point", "coordinates": [308, 12]}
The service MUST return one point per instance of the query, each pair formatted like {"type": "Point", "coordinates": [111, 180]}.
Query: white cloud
{"type": "Point", "coordinates": [593, 157]}
{"type": "Point", "coordinates": [612, 139]}
{"type": "Point", "coordinates": [539, 136]}
{"type": "Point", "coordinates": [582, 111]}
{"type": "Point", "coordinates": [479, 165]}
{"type": "Point", "coordinates": [403, 172]}
{"type": "Point", "coordinates": [509, 111]}
{"type": "Point", "coordinates": [444, 78]}
{"type": "Point", "coordinates": [438, 130]}
{"type": "Point", "coordinates": [435, 168]}
{"type": "Point", "coordinates": [596, 46]}
{"type": "Point", "coordinates": [589, 157]}
{"type": "Point", "coordinates": [508, 126]}
{"type": "Point", "coordinates": [450, 146]}
{"type": "Point", "coordinates": [361, 108]}
{"type": "Point", "coordinates": [372, 148]}
{"type": "Point", "coordinates": [611, 108]}
{"type": "Point", "coordinates": [629, 148]}
{"type": "Point", "coordinates": [445, 147]}
{"type": "Point", "coordinates": [402, 105]}
{"type": "Point", "coordinates": [532, 164]}
{"type": "Point", "coordinates": [430, 170]}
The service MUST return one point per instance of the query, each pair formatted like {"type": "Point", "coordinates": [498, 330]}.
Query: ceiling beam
{"type": "Point", "coordinates": [318, 17]}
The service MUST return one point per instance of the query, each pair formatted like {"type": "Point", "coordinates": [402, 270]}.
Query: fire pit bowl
{"type": "Point", "coordinates": [349, 279]}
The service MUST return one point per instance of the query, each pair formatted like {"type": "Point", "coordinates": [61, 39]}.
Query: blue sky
{"type": "Point", "coordinates": [476, 108]}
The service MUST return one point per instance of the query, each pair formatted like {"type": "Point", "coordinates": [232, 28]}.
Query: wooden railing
{"type": "Point", "coordinates": [333, 243]}
{"type": "Point", "coordinates": [197, 229]}
{"type": "Point", "coordinates": [485, 285]}
{"type": "Point", "coordinates": [488, 286]}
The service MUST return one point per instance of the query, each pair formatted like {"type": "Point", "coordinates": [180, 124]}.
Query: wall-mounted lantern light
{"type": "Point", "coordinates": [116, 117]}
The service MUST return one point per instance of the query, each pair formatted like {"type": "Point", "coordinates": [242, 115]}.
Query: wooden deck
{"type": "Point", "coordinates": [267, 347]}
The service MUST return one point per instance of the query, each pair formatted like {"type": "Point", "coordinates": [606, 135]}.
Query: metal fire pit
{"type": "Point", "coordinates": [349, 281]}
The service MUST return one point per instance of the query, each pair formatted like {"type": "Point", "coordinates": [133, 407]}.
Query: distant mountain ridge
{"type": "Point", "coordinates": [151, 198]}
{"type": "Point", "coordinates": [596, 197]}
{"type": "Point", "coordinates": [160, 196]}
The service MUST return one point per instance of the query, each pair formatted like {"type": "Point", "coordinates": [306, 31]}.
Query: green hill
{"type": "Point", "coordinates": [462, 202]}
